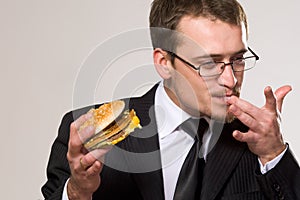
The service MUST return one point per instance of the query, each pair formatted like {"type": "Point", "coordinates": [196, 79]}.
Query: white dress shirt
{"type": "Point", "coordinates": [175, 143]}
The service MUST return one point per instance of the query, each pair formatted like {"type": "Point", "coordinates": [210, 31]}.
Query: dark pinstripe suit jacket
{"type": "Point", "coordinates": [231, 170]}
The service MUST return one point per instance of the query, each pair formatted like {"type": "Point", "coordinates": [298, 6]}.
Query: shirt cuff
{"type": "Point", "coordinates": [271, 164]}
{"type": "Point", "coordinates": [65, 193]}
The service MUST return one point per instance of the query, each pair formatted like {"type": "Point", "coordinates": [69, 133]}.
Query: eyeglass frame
{"type": "Point", "coordinates": [224, 64]}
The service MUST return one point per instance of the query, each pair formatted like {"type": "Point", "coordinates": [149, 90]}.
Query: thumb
{"type": "Point", "coordinates": [280, 94]}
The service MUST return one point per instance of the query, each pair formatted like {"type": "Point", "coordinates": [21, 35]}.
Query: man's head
{"type": "Point", "coordinates": [199, 32]}
{"type": "Point", "coordinates": [167, 14]}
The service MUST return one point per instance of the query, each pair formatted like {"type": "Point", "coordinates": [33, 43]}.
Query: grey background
{"type": "Point", "coordinates": [44, 44]}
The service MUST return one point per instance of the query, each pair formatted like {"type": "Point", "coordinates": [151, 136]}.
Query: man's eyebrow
{"type": "Point", "coordinates": [242, 51]}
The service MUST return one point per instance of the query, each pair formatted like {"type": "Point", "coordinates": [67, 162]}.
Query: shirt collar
{"type": "Point", "coordinates": [168, 115]}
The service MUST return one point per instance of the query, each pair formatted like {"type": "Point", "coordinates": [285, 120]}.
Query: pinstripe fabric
{"type": "Point", "coordinates": [242, 184]}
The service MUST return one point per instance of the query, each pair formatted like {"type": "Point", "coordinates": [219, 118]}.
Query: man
{"type": "Point", "coordinates": [202, 62]}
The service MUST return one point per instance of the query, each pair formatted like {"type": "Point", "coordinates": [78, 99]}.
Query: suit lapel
{"type": "Point", "coordinates": [145, 143]}
{"type": "Point", "coordinates": [222, 160]}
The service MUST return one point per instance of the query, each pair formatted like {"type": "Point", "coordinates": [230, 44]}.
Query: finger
{"type": "Point", "coordinates": [280, 94]}
{"type": "Point", "coordinates": [78, 122]}
{"type": "Point", "coordinates": [86, 133]}
{"type": "Point", "coordinates": [243, 137]}
{"type": "Point", "coordinates": [75, 141]}
{"type": "Point", "coordinates": [87, 161]}
{"type": "Point", "coordinates": [81, 162]}
{"type": "Point", "coordinates": [245, 118]}
{"type": "Point", "coordinates": [244, 106]}
{"type": "Point", "coordinates": [90, 158]}
{"type": "Point", "coordinates": [270, 99]}
{"type": "Point", "coordinates": [95, 169]}
{"type": "Point", "coordinates": [100, 153]}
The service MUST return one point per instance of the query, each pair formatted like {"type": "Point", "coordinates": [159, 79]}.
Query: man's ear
{"type": "Point", "coordinates": [162, 63]}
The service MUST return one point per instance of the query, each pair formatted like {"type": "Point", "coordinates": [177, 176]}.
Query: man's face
{"type": "Point", "coordinates": [206, 96]}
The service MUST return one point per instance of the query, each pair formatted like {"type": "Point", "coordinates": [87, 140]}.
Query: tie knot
{"type": "Point", "coordinates": [195, 127]}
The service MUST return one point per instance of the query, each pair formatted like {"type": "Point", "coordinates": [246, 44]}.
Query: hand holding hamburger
{"type": "Point", "coordinates": [95, 130]}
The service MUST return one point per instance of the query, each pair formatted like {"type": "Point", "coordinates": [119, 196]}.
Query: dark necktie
{"type": "Point", "coordinates": [190, 178]}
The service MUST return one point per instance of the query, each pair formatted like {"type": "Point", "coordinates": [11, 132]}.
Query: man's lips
{"type": "Point", "coordinates": [223, 95]}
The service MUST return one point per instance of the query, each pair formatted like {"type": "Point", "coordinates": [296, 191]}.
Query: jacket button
{"type": "Point", "coordinates": [276, 187]}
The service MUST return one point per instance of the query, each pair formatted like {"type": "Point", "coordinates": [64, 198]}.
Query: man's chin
{"type": "Point", "coordinates": [230, 118]}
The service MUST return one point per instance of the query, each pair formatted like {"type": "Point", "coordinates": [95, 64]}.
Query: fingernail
{"type": "Point", "coordinates": [269, 88]}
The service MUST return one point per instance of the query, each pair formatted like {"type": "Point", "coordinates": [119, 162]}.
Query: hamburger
{"type": "Point", "coordinates": [112, 124]}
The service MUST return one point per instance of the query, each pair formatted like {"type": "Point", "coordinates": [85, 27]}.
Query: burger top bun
{"type": "Point", "coordinates": [104, 115]}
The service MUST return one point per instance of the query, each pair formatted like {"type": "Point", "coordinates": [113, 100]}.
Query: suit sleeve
{"type": "Point", "coordinates": [58, 170]}
{"type": "Point", "coordinates": [282, 182]}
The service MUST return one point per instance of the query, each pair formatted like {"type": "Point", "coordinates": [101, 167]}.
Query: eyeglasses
{"type": "Point", "coordinates": [212, 68]}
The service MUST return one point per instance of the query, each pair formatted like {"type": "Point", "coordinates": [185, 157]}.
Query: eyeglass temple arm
{"type": "Point", "coordinates": [175, 55]}
{"type": "Point", "coordinates": [256, 56]}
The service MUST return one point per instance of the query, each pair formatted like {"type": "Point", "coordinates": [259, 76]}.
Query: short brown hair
{"type": "Point", "coordinates": [166, 14]}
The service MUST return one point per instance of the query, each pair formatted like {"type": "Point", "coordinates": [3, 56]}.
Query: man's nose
{"type": "Point", "coordinates": [228, 78]}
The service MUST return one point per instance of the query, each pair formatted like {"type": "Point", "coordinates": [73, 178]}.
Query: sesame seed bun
{"type": "Point", "coordinates": [104, 115]}
{"type": "Point", "coordinates": [112, 124]}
